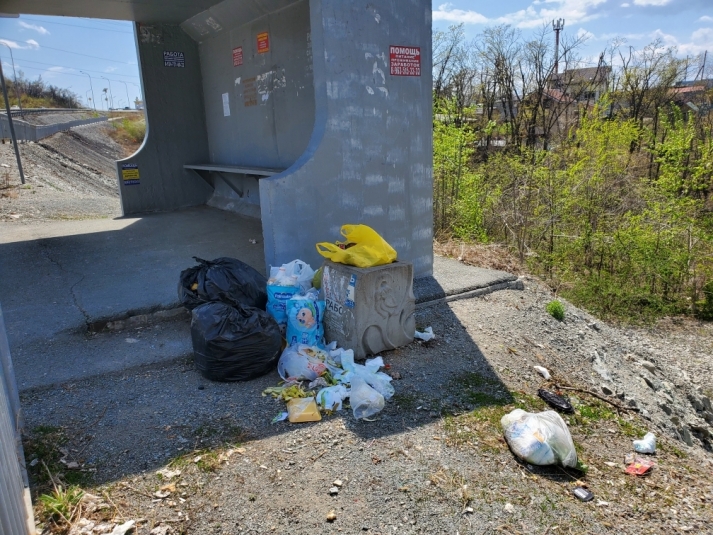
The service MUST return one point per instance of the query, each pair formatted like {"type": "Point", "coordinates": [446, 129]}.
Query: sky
{"type": "Point", "coordinates": [58, 48]}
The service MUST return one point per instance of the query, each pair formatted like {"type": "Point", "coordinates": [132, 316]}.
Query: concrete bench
{"type": "Point", "coordinates": [202, 170]}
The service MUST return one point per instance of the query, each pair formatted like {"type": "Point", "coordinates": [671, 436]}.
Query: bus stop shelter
{"type": "Point", "coordinates": [306, 114]}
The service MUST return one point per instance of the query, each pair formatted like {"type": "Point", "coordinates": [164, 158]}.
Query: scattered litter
{"type": "Point", "coordinates": [331, 516]}
{"type": "Point", "coordinates": [427, 335]}
{"type": "Point", "coordinates": [123, 528]}
{"type": "Point", "coordinates": [555, 401]}
{"type": "Point", "coordinates": [646, 444]}
{"type": "Point", "coordinates": [337, 483]}
{"type": "Point", "coordinates": [160, 530]}
{"type": "Point", "coordinates": [362, 247]}
{"type": "Point", "coordinates": [280, 417]}
{"type": "Point", "coordinates": [509, 508]}
{"type": "Point", "coordinates": [131, 340]}
{"type": "Point", "coordinates": [365, 401]}
{"type": "Point", "coordinates": [541, 439]}
{"type": "Point", "coordinates": [168, 474]}
{"type": "Point", "coordinates": [285, 282]}
{"type": "Point", "coordinates": [253, 241]}
{"type": "Point", "coordinates": [333, 491]}
{"type": "Point", "coordinates": [330, 398]}
{"type": "Point", "coordinates": [303, 410]}
{"type": "Point", "coordinates": [583, 494]}
{"type": "Point", "coordinates": [611, 464]}
{"type": "Point", "coordinates": [468, 511]}
{"type": "Point", "coordinates": [543, 372]}
{"type": "Point", "coordinates": [602, 503]}
{"type": "Point", "coordinates": [640, 467]}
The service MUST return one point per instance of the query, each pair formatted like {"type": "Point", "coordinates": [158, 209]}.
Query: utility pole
{"type": "Point", "coordinates": [14, 75]}
{"type": "Point", "coordinates": [12, 127]}
{"type": "Point", "coordinates": [128, 101]}
{"type": "Point", "coordinates": [110, 95]}
{"type": "Point", "coordinates": [92, 89]}
{"type": "Point", "coordinates": [557, 26]}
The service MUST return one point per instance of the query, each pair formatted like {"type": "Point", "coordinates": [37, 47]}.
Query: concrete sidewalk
{"type": "Point", "coordinates": [57, 278]}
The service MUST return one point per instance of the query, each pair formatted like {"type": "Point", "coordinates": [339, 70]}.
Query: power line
{"type": "Point", "coordinates": [55, 72]}
{"type": "Point", "coordinates": [78, 26]}
{"type": "Point", "coordinates": [21, 60]}
{"type": "Point", "coordinates": [78, 54]}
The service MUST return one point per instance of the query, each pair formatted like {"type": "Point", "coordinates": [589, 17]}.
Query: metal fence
{"type": "Point", "coordinates": [30, 132]}
{"type": "Point", "coordinates": [16, 516]}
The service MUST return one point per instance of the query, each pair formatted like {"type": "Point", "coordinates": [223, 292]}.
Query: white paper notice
{"type": "Point", "coordinates": [226, 105]}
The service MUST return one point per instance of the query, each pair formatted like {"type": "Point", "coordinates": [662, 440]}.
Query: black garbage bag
{"type": "Point", "coordinates": [224, 279]}
{"type": "Point", "coordinates": [234, 343]}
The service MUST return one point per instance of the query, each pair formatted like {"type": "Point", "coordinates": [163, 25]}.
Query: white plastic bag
{"type": "Point", "coordinates": [646, 444]}
{"type": "Point", "coordinates": [303, 362]}
{"type": "Point", "coordinates": [539, 438]}
{"type": "Point", "coordinates": [369, 372]}
{"type": "Point", "coordinates": [365, 401]}
{"type": "Point", "coordinates": [295, 273]}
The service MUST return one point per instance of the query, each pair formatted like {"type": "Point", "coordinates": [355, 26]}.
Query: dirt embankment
{"type": "Point", "coordinates": [71, 175]}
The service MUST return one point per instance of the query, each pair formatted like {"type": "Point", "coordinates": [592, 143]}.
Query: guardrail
{"type": "Point", "coordinates": [29, 132]}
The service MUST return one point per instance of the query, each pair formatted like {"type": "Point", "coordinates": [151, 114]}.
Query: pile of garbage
{"type": "Point", "coordinates": [244, 326]}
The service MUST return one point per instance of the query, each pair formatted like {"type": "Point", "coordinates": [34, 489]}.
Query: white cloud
{"type": "Point", "coordinates": [625, 4]}
{"type": "Point", "coordinates": [652, 2]}
{"type": "Point", "coordinates": [573, 11]}
{"type": "Point", "coordinates": [585, 34]}
{"type": "Point", "coordinates": [699, 41]}
{"type": "Point", "coordinates": [40, 29]}
{"type": "Point", "coordinates": [705, 18]}
{"type": "Point", "coordinates": [110, 69]}
{"type": "Point", "coordinates": [29, 44]}
{"type": "Point", "coordinates": [447, 13]}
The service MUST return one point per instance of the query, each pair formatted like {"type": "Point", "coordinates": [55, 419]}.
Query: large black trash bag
{"type": "Point", "coordinates": [234, 343]}
{"type": "Point", "coordinates": [224, 279]}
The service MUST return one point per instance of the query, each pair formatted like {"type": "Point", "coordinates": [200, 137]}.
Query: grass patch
{"type": "Point", "coordinates": [480, 391]}
{"type": "Point", "coordinates": [129, 132]}
{"type": "Point", "coordinates": [44, 447]}
{"type": "Point", "coordinates": [404, 400]}
{"type": "Point", "coordinates": [555, 309]}
{"type": "Point", "coordinates": [60, 505]}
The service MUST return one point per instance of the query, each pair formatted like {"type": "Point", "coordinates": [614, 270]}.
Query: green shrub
{"type": "Point", "coordinates": [555, 309]}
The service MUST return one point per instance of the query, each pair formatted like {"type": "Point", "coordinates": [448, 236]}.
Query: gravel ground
{"type": "Point", "coordinates": [434, 461]}
{"type": "Point", "coordinates": [71, 175]}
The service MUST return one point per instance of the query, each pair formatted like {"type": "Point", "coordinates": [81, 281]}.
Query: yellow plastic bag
{"type": "Point", "coordinates": [363, 247]}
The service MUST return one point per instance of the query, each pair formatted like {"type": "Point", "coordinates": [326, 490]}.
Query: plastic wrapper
{"type": "Point", "coordinates": [234, 343]}
{"type": "Point", "coordinates": [365, 401]}
{"type": "Point", "coordinates": [369, 372]}
{"type": "Point", "coordinates": [303, 410]}
{"type": "Point", "coordinates": [224, 279]}
{"type": "Point", "coordinates": [285, 282]}
{"type": "Point", "coordinates": [539, 438]}
{"type": "Point", "coordinates": [646, 444]}
{"type": "Point", "coordinates": [362, 247]}
{"type": "Point", "coordinates": [331, 398]}
{"type": "Point", "coordinates": [305, 314]}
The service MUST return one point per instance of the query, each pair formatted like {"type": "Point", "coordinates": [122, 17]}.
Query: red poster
{"type": "Point", "coordinates": [263, 43]}
{"type": "Point", "coordinates": [237, 56]}
{"type": "Point", "coordinates": [405, 60]}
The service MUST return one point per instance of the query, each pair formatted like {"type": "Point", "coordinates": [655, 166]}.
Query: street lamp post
{"type": "Point", "coordinates": [128, 101]}
{"type": "Point", "coordinates": [87, 97]}
{"type": "Point", "coordinates": [94, 102]}
{"type": "Point", "coordinates": [14, 75]}
{"type": "Point", "coordinates": [110, 95]}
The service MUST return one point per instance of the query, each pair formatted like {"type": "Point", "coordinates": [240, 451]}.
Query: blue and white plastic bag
{"type": "Point", "coordinates": [305, 314]}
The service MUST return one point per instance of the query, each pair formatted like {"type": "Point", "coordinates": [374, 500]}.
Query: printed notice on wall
{"type": "Point", "coordinates": [263, 43]}
{"type": "Point", "coordinates": [405, 60]}
{"type": "Point", "coordinates": [226, 105]}
{"type": "Point", "coordinates": [250, 92]}
{"type": "Point", "coordinates": [238, 56]}
{"type": "Point", "coordinates": [130, 174]}
{"type": "Point", "coordinates": [173, 59]}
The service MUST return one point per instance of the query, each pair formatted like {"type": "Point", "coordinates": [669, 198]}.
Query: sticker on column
{"type": "Point", "coordinates": [238, 56]}
{"type": "Point", "coordinates": [130, 174]}
{"type": "Point", "coordinates": [351, 292]}
{"type": "Point", "coordinates": [263, 43]}
{"type": "Point", "coordinates": [405, 60]}
{"type": "Point", "coordinates": [226, 105]}
{"type": "Point", "coordinates": [174, 59]}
